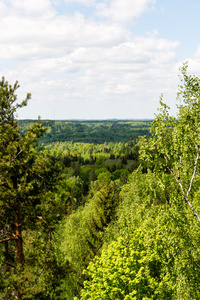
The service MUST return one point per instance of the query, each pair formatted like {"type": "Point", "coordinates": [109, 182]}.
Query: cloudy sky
{"type": "Point", "coordinates": [97, 59]}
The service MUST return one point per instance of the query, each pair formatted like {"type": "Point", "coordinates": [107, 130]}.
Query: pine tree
{"type": "Point", "coordinates": [23, 176]}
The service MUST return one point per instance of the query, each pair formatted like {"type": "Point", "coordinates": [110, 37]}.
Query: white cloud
{"type": "Point", "coordinates": [139, 51]}
{"type": "Point", "coordinates": [83, 67]}
{"type": "Point", "coordinates": [95, 63]}
{"type": "Point", "coordinates": [28, 38]}
{"type": "Point", "coordinates": [103, 76]}
{"type": "Point", "coordinates": [29, 7]}
{"type": "Point", "coordinates": [123, 11]}
{"type": "Point", "coordinates": [3, 9]}
{"type": "Point", "coordinates": [53, 65]}
{"type": "Point", "coordinates": [194, 65]}
{"type": "Point", "coordinates": [197, 53]}
{"type": "Point", "coordinates": [81, 2]}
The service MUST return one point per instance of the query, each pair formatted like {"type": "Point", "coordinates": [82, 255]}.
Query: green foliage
{"type": "Point", "coordinates": [168, 233]}
{"type": "Point", "coordinates": [153, 203]}
{"type": "Point", "coordinates": [25, 177]}
{"type": "Point", "coordinates": [96, 132]}
{"type": "Point", "coordinates": [174, 145]}
{"type": "Point", "coordinates": [81, 235]}
{"type": "Point", "coordinates": [90, 229]}
{"type": "Point", "coordinates": [125, 270]}
{"type": "Point", "coordinates": [87, 161]}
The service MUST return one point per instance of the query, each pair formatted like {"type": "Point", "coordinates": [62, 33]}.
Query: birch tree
{"type": "Point", "coordinates": [175, 142]}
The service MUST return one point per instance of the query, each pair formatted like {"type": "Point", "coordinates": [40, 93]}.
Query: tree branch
{"type": "Point", "coordinates": [9, 264]}
{"type": "Point", "coordinates": [7, 239]}
{"type": "Point", "coordinates": [179, 168]}
{"type": "Point", "coordinates": [185, 254]}
{"type": "Point", "coordinates": [12, 250]}
{"type": "Point", "coordinates": [41, 218]}
{"type": "Point", "coordinates": [194, 171]}
{"type": "Point", "coordinates": [172, 173]}
{"type": "Point", "coordinates": [189, 257]}
{"type": "Point", "coordinates": [39, 177]}
{"type": "Point", "coordinates": [6, 186]}
{"type": "Point", "coordinates": [13, 159]}
{"type": "Point", "coordinates": [186, 195]}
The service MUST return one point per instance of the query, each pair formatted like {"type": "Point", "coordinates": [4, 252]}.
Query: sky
{"type": "Point", "coordinates": [97, 59]}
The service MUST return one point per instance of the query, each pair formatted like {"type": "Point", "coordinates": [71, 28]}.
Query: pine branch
{"type": "Point", "coordinates": [7, 239]}
{"type": "Point", "coordinates": [41, 218]}
{"type": "Point", "coordinates": [12, 250]}
{"type": "Point", "coordinates": [9, 264]}
{"type": "Point", "coordinates": [6, 186]}
{"type": "Point", "coordinates": [13, 159]}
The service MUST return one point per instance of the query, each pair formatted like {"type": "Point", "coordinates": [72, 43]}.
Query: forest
{"type": "Point", "coordinates": [95, 132]}
{"type": "Point", "coordinates": [116, 217]}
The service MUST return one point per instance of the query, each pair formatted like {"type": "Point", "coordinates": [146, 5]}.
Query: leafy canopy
{"type": "Point", "coordinates": [175, 142]}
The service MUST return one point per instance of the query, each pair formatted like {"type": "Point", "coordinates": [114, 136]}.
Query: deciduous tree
{"type": "Point", "coordinates": [175, 142]}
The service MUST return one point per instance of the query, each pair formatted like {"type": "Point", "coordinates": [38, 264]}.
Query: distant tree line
{"type": "Point", "coordinates": [96, 132]}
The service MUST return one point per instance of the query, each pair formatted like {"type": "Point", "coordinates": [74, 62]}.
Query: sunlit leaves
{"type": "Point", "coordinates": [174, 146]}
{"type": "Point", "coordinates": [125, 270]}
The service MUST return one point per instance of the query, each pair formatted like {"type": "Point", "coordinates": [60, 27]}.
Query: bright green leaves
{"type": "Point", "coordinates": [174, 146]}
{"type": "Point", "coordinates": [189, 91]}
{"type": "Point", "coordinates": [170, 237]}
{"type": "Point", "coordinates": [158, 149]}
{"type": "Point", "coordinates": [125, 270]}
{"type": "Point", "coordinates": [80, 236]}
{"type": "Point", "coordinates": [172, 137]}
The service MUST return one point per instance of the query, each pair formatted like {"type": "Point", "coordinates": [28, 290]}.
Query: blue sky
{"type": "Point", "coordinates": [97, 59]}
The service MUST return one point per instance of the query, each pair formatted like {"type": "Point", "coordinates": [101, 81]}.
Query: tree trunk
{"type": "Point", "coordinates": [19, 242]}
{"type": "Point", "coordinates": [19, 249]}
{"type": "Point", "coordinates": [6, 257]}
{"type": "Point", "coordinates": [18, 236]}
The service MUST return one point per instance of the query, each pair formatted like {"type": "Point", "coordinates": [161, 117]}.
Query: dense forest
{"type": "Point", "coordinates": [111, 217]}
{"type": "Point", "coordinates": [95, 132]}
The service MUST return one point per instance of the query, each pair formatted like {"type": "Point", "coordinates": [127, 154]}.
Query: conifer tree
{"type": "Point", "coordinates": [23, 176]}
